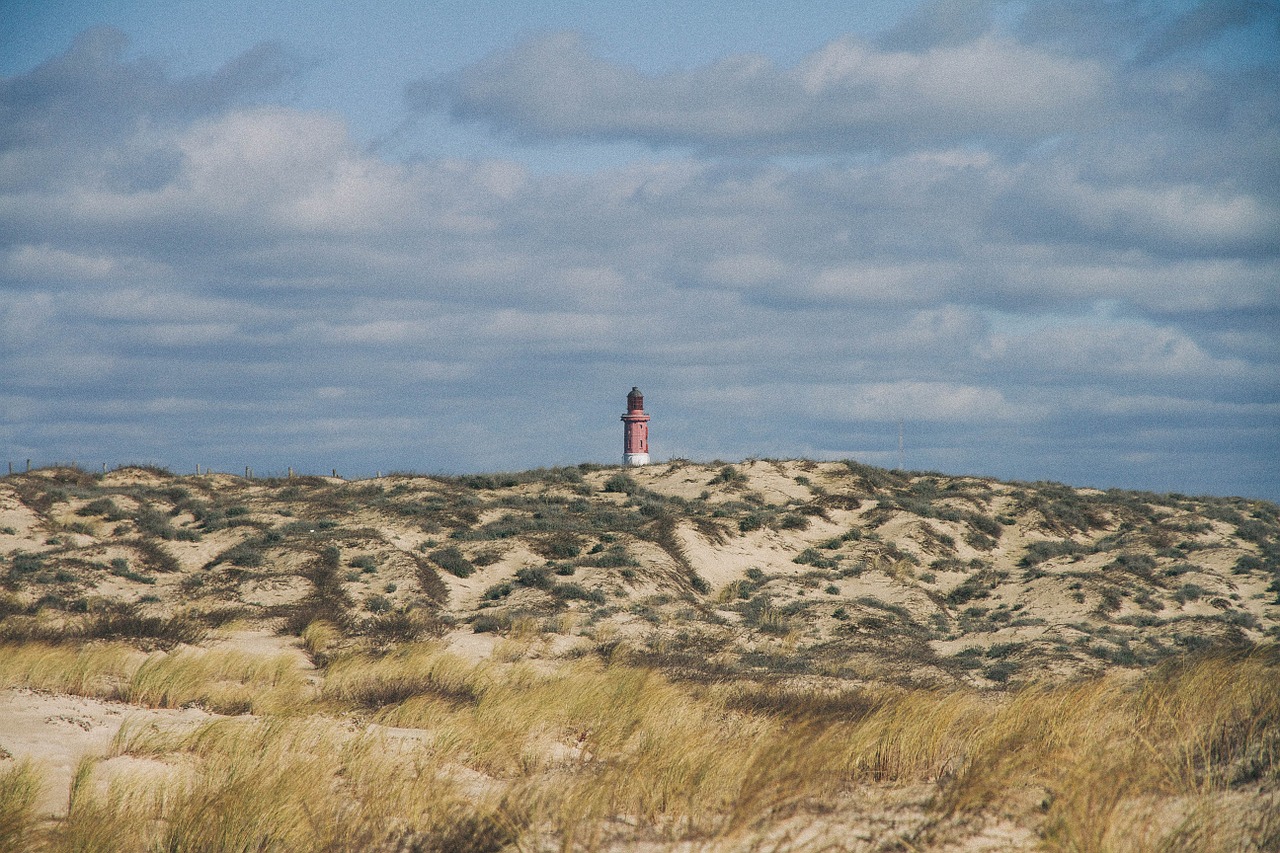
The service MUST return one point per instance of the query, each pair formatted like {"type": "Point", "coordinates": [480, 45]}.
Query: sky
{"type": "Point", "coordinates": [1039, 240]}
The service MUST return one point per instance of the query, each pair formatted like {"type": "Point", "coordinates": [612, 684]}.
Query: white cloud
{"type": "Point", "coordinates": [848, 94]}
{"type": "Point", "coordinates": [911, 283]}
{"type": "Point", "coordinates": [25, 320]}
{"type": "Point", "coordinates": [926, 401]}
{"type": "Point", "coordinates": [46, 263]}
{"type": "Point", "coordinates": [185, 334]}
{"type": "Point", "coordinates": [372, 333]}
{"type": "Point", "coordinates": [745, 269]}
{"type": "Point", "coordinates": [1118, 350]}
{"type": "Point", "coordinates": [1094, 403]}
{"type": "Point", "coordinates": [1152, 283]}
{"type": "Point", "coordinates": [1177, 213]}
{"type": "Point", "coordinates": [255, 261]}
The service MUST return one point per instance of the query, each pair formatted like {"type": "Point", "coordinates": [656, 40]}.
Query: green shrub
{"type": "Point", "coordinates": [104, 507]}
{"type": "Point", "coordinates": [402, 625]}
{"type": "Point", "coordinates": [1000, 672]}
{"type": "Point", "coordinates": [453, 561]}
{"type": "Point", "coordinates": [25, 563]}
{"type": "Point", "coordinates": [728, 475]}
{"type": "Point", "coordinates": [429, 581]}
{"type": "Point", "coordinates": [621, 483]}
{"type": "Point", "coordinates": [152, 522]}
{"type": "Point", "coordinates": [1189, 592]}
{"type": "Point", "coordinates": [616, 556]}
{"type": "Point", "coordinates": [1139, 565]}
{"type": "Point", "coordinates": [497, 591]}
{"type": "Point", "coordinates": [998, 651]}
{"type": "Point", "coordinates": [487, 623]}
{"type": "Point", "coordinates": [560, 547]}
{"type": "Point", "coordinates": [247, 554]}
{"type": "Point", "coordinates": [1045, 549]}
{"type": "Point", "coordinates": [119, 621]}
{"type": "Point", "coordinates": [536, 577]}
{"type": "Point", "coordinates": [120, 568]}
{"type": "Point", "coordinates": [365, 562]}
{"type": "Point", "coordinates": [972, 588]}
{"type": "Point", "coordinates": [569, 591]}
{"type": "Point", "coordinates": [1247, 563]}
{"type": "Point", "coordinates": [813, 557]}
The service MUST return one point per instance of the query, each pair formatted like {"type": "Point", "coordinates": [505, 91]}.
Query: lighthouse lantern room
{"type": "Point", "coordinates": [635, 431]}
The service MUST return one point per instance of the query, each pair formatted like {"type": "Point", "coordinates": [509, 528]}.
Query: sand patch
{"type": "Point", "coordinates": [57, 731]}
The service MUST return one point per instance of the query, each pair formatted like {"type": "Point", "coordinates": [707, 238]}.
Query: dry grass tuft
{"type": "Point", "coordinates": [282, 784]}
{"type": "Point", "coordinates": [94, 670]}
{"type": "Point", "coordinates": [1106, 750]}
{"type": "Point", "coordinates": [220, 680]}
{"type": "Point", "coordinates": [415, 670]}
{"type": "Point", "coordinates": [587, 756]}
{"type": "Point", "coordinates": [20, 785]}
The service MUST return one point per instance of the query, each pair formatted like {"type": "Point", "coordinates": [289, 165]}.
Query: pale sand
{"type": "Point", "coordinates": [56, 731]}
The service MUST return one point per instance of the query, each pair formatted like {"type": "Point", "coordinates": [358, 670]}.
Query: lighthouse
{"type": "Point", "coordinates": [635, 431]}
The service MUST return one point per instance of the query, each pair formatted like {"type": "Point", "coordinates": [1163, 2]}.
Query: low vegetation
{"type": "Point", "coordinates": [594, 755]}
{"type": "Point", "coordinates": [764, 655]}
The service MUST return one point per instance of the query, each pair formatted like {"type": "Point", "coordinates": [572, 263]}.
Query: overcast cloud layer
{"type": "Point", "coordinates": [1044, 236]}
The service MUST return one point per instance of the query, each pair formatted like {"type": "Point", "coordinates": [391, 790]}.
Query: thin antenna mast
{"type": "Point", "coordinates": [901, 455]}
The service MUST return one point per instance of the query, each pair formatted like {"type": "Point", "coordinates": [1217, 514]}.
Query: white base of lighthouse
{"type": "Point", "coordinates": [635, 459]}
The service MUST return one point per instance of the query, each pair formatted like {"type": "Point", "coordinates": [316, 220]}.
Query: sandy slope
{"type": "Point", "coordinates": [776, 571]}
{"type": "Point", "coordinates": [57, 731]}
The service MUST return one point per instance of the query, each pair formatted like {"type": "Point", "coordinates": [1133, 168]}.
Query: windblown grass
{"type": "Point", "coordinates": [94, 670]}
{"type": "Point", "coordinates": [586, 755]}
{"type": "Point", "coordinates": [19, 787]}
{"type": "Point", "coordinates": [281, 784]}
{"type": "Point", "coordinates": [414, 670]}
{"type": "Point", "coordinates": [222, 681]}
{"type": "Point", "coordinates": [1112, 759]}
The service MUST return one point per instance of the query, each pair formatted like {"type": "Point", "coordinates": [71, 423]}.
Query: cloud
{"type": "Point", "coordinates": [1203, 24]}
{"type": "Point", "coordinates": [1151, 355]}
{"type": "Point", "coordinates": [923, 401]}
{"type": "Point", "coordinates": [92, 90]}
{"type": "Point", "coordinates": [847, 96]}
{"type": "Point", "coordinates": [46, 263]}
{"type": "Point", "coordinates": [25, 321]}
{"type": "Point", "coordinates": [935, 23]}
{"type": "Point", "coordinates": [1176, 216]}
{"type": "Point", "coordinates": [1013, 268]}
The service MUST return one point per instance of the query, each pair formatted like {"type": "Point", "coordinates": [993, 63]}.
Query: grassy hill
{"type": "Point", "coordinates": [772, 654]}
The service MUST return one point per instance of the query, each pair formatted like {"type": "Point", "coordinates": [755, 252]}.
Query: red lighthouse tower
{"type": "Point", "coordinates": [635, 431]}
